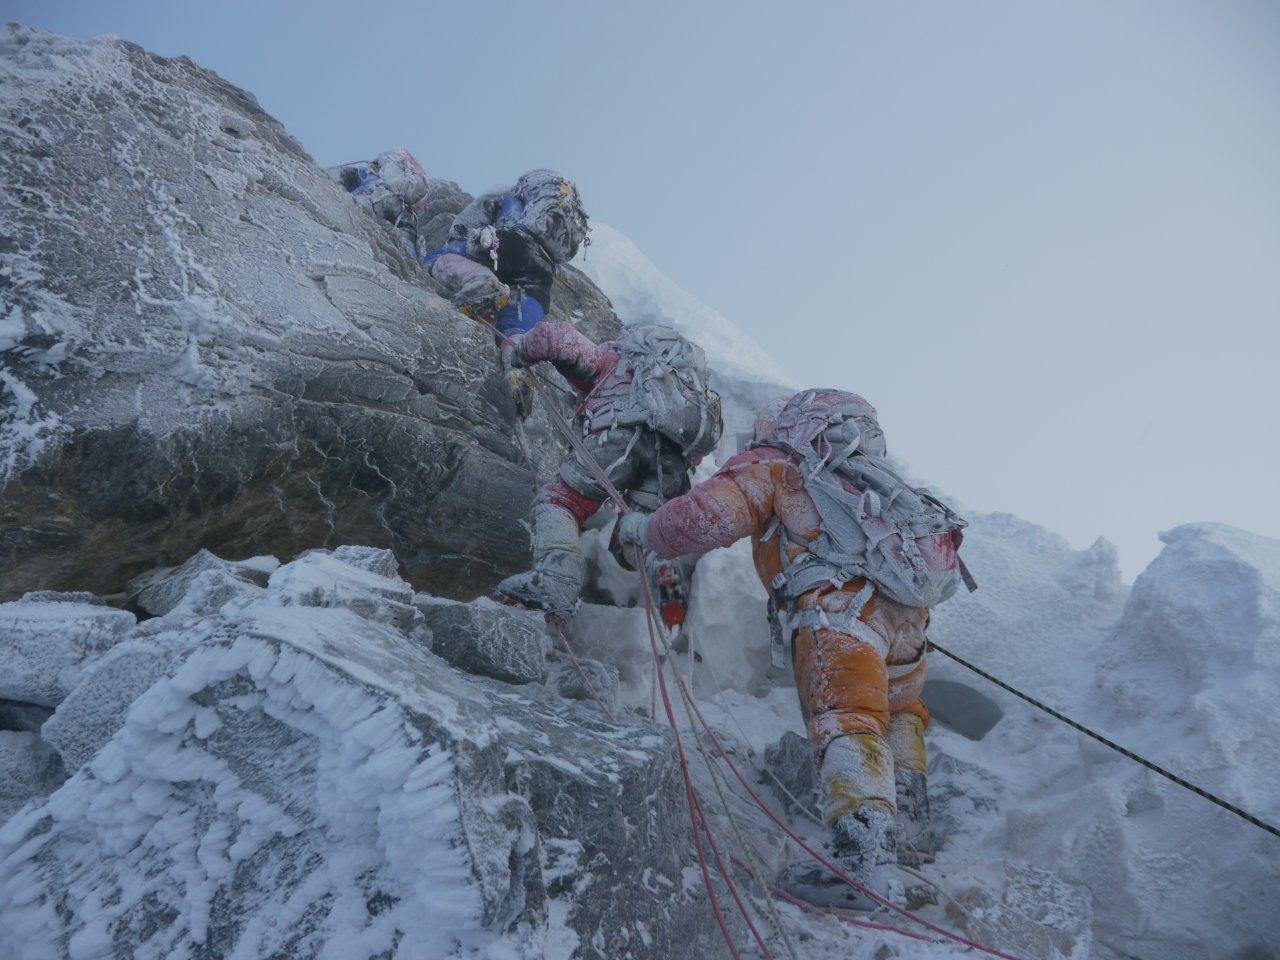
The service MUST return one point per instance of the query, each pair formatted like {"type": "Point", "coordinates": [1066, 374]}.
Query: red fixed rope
{"type": "Point", "coordinates": [699, 815]}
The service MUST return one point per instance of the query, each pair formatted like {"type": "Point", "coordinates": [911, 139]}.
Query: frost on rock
{"type": "Point", "coordinates": [792, 774]}
{"type": "Point", "coordinates": [95, 709]}
{"type": "Point", "coordinates": [565, 680]}
{"type": "Point", "coordinates": [362, 579]}
{"type": "Point", "coordinates": [160, 591]}
{"type": "Point", "coordinates": [29, 769]}
{"type": "Point", "coordinates": [488, 639]}
{"type": "Point", "coordinates": [204, 342]}
{"type": "Point", "coordinates": [45, 644]}
{"type": "Point", "coordinates": [281, 778]}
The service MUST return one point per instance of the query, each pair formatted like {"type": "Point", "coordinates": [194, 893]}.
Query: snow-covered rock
{"type": "Point", "coordinates": [1186, 675]}
{"type": "Point", "coordinates": [46, 643]}
{"type": "Point", "coordinates": [364, 580]}
{"type": "Point", "coordinates": [205, 343]}
{"type": "Point", "coordinates": [728, 624]}
{"type": "Point", "coordinates": [604, 681]}
{"type": "Point", "coordinates": [301, 780]}
{"type": "Point", "coordinates": [95, 709]}
{"type": "Point", "coordinates": [29, 769]}
{"type": "Point", "coordinates": [488, 639]}
{"type": "Point", "coordinates": [159, 591]}
{"type": "Point", "coordinates": [1042, 613]}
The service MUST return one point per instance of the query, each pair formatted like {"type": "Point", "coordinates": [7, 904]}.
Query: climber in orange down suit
{"type": "Point", "coordinates": [853, 558]}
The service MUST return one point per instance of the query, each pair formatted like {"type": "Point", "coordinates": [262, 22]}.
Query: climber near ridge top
{"type": "Point", "coordinates": [504, 248]}
{"type": "Point", "coordinates": [853, 557]}
{"type": "Point", "coordinates": [647, 417]}
{"type": "Point", "coordinates": [501, 258]}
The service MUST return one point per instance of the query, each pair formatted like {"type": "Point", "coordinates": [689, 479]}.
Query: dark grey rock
{"type": "Point", "coordinates": [582, 303]}
{"type": "Point", "coordinates": [486, 638]}
{"type": "Point", "coordinates": [444, 202]}
{"type": "Point", "coordinates": [604, 679]}
{"type": "Point", "coordinates": [29, 769]}
{"type": "Point", "coordinates": [959, 707]}
{"type": "Point", "coordinates": [789, 762]}
{"type": "Point", "coordinates": [222, 350]}
{"type": "Point", "coordinates": [28, 717]}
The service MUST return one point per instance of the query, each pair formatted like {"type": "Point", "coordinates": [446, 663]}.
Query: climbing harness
{"type": "Point", "coordinates": [1143, 761]}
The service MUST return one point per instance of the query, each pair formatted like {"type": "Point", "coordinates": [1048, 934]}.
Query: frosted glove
{"type": "Point", "coordinates": [511, 356]}
{"type": "Point", "coordinates": [633, 530]}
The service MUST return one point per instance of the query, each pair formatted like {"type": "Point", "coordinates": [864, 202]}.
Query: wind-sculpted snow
{"type": "Point", "coordinates": [204, 342]}
{"type": "Point", "coordinates": [292, 779]}
{"type": "Point", "coordinates": [1186, 674]}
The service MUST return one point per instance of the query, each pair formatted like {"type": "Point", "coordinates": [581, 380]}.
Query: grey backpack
{"type": "Point", "coordinates": [661, 382]}
{"type": "Point", "coordinates": [553, 213]}
{"type": "Point", "coordinates": [874, 524]}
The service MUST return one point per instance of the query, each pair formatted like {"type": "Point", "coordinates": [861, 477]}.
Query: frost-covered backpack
{"type": "Point", "coordinates": [393, 187]}
{"type": "Point", "coordinates": [552, 212]}
{"type": "Point", "coordinates": [660, 381]}
{"type": "Point", "coordinates": [874, 524]}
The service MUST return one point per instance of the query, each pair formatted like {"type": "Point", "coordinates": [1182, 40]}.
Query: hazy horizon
{"type": "Point", "coordinates": [1044, 241]}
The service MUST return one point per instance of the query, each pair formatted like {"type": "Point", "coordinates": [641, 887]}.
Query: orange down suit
{"type": "Point", "coordinates": [860, 679]}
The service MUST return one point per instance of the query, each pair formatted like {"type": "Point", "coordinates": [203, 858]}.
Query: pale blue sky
{"type": "Point", "coordinates": [1043, 239]}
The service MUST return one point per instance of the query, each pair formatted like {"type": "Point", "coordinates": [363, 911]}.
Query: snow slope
{"type": "Point", "coordinates": [1184, 669]}
{"type": "Point", "coordinates": [745, 376]}
{"type": "Point", "coordinates": [643, 294]}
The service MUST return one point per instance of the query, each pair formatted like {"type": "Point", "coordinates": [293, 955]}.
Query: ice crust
{"type": "Point", "coordinates": [46, 644]}
{"type": "Point", "coordinates": [290, 772]}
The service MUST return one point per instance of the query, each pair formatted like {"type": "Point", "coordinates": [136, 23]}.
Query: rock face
{"type": "Point", "coordinates": [484, 638]}
{"type": "Point", "coordinates": [205, 343]}
{"type": "Point", "coordinates": [790, 771]}
{"type": "Point", "coordinates": [298, 778]}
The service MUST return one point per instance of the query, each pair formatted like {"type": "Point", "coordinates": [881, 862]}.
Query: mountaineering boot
{"type": "Point", "coordinates": [865, 848]}
{"type": "Point", "coordinates": [471, 287]}
{"type": "Point", "coordinates": [559, 567]}
{"type": "Point", "coordinates": [917, 842]}
{"type": "Point", "coordinates": [552, 586]}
